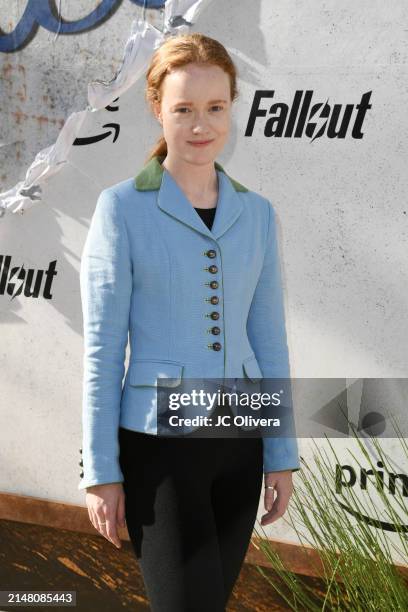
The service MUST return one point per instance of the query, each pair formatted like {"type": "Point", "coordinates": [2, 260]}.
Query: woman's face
{"type": "Point", "coordinates": [195, 107]}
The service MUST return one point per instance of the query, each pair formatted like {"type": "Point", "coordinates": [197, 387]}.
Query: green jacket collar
{"type": "Point", "coordinates": [150, 177]}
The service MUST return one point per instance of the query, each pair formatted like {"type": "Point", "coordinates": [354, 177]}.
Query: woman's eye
{"type": "Point", "coordinates": [184, 108]}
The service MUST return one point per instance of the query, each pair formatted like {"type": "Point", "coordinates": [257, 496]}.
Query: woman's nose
{"type": "Point", "coordinates": [199, 126]}
{"type": "Point", "coordinates": [199, 122]}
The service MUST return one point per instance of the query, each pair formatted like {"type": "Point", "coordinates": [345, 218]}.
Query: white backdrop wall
{"type": "Point", "coordinates": [341, 203]}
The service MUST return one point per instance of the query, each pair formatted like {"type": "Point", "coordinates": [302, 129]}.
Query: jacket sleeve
{"type": "Point", "coordinates": [267, 334]}
{"type": "Point", "coordinates": [106, 287]}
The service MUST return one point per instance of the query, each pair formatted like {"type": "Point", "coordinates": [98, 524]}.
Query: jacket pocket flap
{"type": "Point", "coordinates": [252, 369]}
{"type": "Point", "coordinates": [155, 373]}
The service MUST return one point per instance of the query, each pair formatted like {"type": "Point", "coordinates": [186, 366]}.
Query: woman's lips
{"type": "Point", "coordinates": [199, 143]}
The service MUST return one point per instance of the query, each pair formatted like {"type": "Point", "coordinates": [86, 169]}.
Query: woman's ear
{"type": "Point", "coordinates": [157, 112]}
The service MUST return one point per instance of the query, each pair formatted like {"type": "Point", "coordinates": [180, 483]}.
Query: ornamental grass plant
{"type": "Point", "coordinates": [349, 532]}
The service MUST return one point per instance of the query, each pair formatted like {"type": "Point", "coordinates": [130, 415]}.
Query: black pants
{"type": "Point", "coordinates": [191, 506]}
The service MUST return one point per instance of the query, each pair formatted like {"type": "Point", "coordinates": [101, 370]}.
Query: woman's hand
{"type": "Point", "coordinates": [283, 487]}
{"type": "Point", "coordinates": [106, 509]}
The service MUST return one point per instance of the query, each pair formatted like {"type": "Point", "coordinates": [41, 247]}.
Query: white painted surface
{"type": "Point", "coordinates": [342, 206]}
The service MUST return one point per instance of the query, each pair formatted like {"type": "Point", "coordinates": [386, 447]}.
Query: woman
{"type": "Point", "coordinates": [181, 247]}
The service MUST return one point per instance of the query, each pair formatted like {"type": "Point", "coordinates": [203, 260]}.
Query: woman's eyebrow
{"type": "Point", "coordinates": [209, 102]}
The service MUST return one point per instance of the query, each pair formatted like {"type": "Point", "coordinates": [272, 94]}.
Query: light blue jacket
{"type": "Point", "coordinates": [146, 271]}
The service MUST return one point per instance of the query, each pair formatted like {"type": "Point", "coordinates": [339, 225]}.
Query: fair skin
{"type": "Point", "coordinates": [195, 106]}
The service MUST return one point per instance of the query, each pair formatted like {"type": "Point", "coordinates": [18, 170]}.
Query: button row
{"type": "Point", "coordinates": [214, 299]}
{"type": "Point", "coordinates": [81, 463]}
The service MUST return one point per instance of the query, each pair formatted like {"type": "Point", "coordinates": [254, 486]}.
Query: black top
{"type": "Point", "coordinates": [207, 215]}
